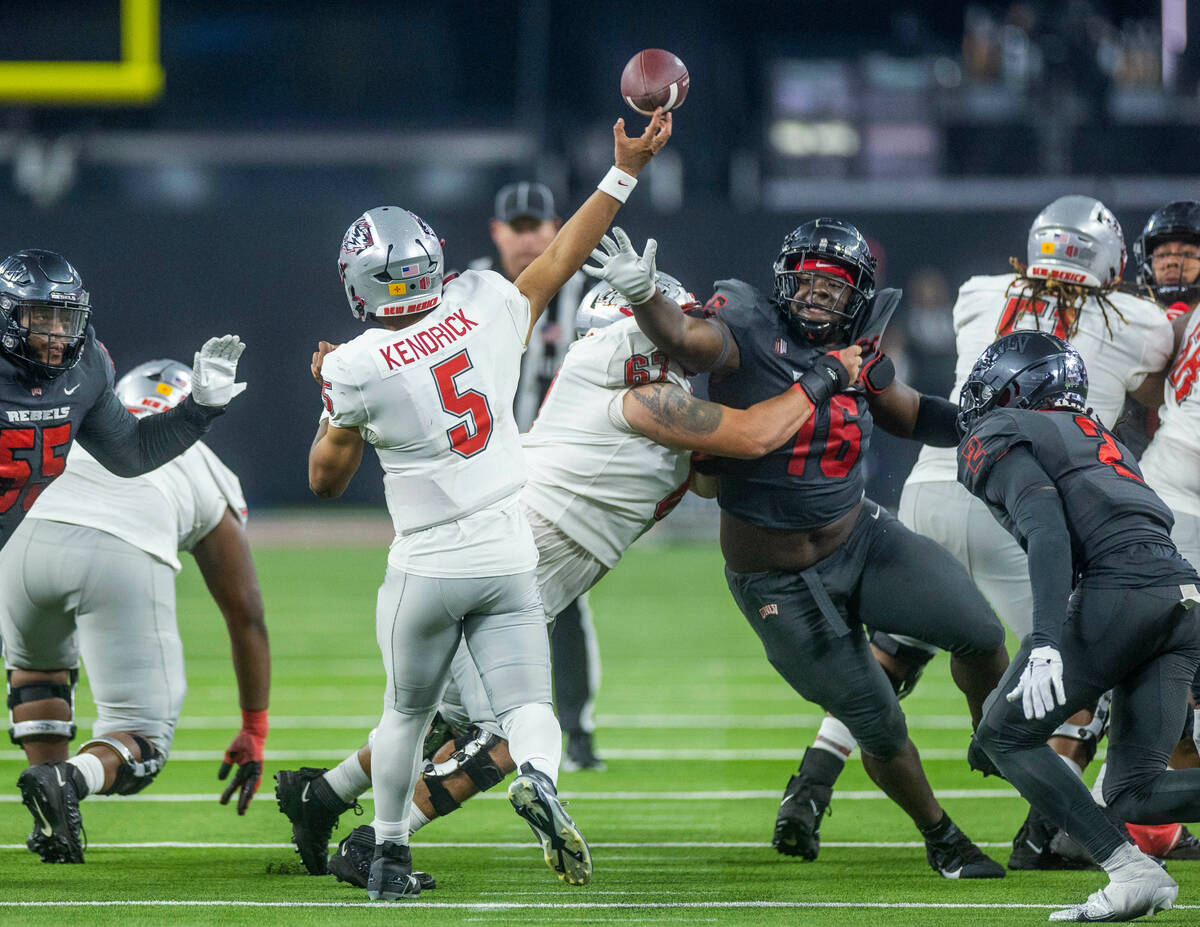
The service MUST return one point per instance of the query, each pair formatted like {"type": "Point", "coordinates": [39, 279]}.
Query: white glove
{"type": "Point", "coordinates": [622, 269]}
{"type": "Point", "coordinates": [1196, 728]}
{"type": "Point", "coordinates": [214, 370]}
{"type": "Point", "coordinates": [1041, 685]}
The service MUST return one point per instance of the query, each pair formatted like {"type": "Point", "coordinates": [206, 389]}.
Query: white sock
{"type": "Point", "coordinates": [534, 737]}
{"type": "Point", "coordinates": [835, 737]}
{"type": "Point", "coordinates": [390, 832]}
{"type": "Point", "coordinates": [348, 780]}
{"type": "Point", "coordinates": [1126, 855]}
{"type": "Point", "coordinates": [92, 769]}
{"type": "Point", "coordinates": [416, 819]}
{"type": "Point", "coordinates": [1072, 765]}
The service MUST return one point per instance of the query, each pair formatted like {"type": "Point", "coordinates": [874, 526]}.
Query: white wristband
{"type": "Point", "coordinates": [617, 184]}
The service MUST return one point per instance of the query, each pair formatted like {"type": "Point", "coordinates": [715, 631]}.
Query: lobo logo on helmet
{"type": "Point", "coordinates": [358, 237]}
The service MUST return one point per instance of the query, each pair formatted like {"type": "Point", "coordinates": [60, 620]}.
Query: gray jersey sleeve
{"type": "Point", "coordinates": [129, 446]}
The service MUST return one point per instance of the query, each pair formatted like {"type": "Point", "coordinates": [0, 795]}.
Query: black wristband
{"type": "Point", "coordinates": [201, 415]}
{"type": "Point", "coordinates": [827, 376]}
{"type": "Point", "coordinates": [937, 422]}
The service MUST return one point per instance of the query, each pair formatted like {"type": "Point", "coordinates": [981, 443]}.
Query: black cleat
{"type": "Point", "coordinates": [313, 808]}
{"type": "Point", "coordinates": [954, 856]}
{"type": "Point", "coordinates": [51, 792]}
{"type": "Point", "coordinates": [580, 753]}
{"type": "Point", "coordinates": [534, 798]}
{"type": "Point", "coordinates": [798, 824]}
{"type": "Point", "coordinates": [351, 862]}
{"type": "Point", "coordinates": [1188, 846]}
{"type": "Point", "coordinates": [1034, 847]}
{"type": "Point", "coordinates": [391, 875]}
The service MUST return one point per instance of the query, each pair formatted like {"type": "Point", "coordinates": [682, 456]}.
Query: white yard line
{"type": "Point", "coordinates": [526, 905]}
{"type": "Point", "coordinates": [517, 845]}
{"type": "Point", "coordinates": [589, 796]}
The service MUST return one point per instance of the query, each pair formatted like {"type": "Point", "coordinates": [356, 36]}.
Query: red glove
{"type": "Point", "coordinates": [246, 752]}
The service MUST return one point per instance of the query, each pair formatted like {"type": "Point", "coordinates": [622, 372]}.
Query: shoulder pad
{"type": "Point", "coordinates": [738, 304]}
{"type": "Point", "coordinates": [987, 442]}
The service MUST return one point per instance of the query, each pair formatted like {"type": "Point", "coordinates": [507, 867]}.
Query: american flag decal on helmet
{"type": "Point", "coordinates": [358, 237]}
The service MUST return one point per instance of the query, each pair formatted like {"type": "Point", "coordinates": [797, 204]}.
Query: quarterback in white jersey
{"type": "Point", "coordinates": [90, 573]}
{"type": "Point", "coordinates": [608, 455]}
{"type": "Point", "coordinates": [432, 391]}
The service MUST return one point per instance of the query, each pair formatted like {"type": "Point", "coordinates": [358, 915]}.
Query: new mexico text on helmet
{"type": "Point", "coordinates": [390, 264]}
{"type": "Point", "coordinates": [1076, 239]}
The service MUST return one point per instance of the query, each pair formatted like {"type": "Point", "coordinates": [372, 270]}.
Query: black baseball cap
{"type": "Point", "coordinates": [526, 198]}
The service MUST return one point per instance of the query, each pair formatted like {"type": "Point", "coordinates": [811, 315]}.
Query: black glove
{"type": "Point", "coordinates": [877, 373]}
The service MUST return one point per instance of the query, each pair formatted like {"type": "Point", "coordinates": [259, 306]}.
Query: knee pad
{"type": "Point", "coordinates": [41, 729]}
{"type": "Point", "coordinates": [472, 758]}
{"type": "Point", "coordinates": [1089, 734]}
{"type": "Point", "coordinates": [917, 659]}
{"type": "Point", "coordinates": [132, 775]}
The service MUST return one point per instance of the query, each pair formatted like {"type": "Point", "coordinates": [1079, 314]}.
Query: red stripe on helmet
{"type": "Point", "coordinates": [825, 267]}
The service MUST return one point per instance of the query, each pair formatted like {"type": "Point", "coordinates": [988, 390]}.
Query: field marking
{"type": "Point", "coordinates": [518, 845]}
{"type": "Point", "coordinates": [526, 905]}
{"type": "Point", "coordinates": [616, 721]}
{"type": "Point", "coordinates": [612, 753]}
{"type": "Point", "coordinates": [588, 796]}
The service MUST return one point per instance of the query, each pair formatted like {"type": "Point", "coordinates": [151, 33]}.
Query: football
{"type": "Point", "coordinates": [653, 78]}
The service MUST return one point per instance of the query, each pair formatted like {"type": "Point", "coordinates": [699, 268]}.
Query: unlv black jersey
{"type": "Point", "coordinates": [817, 475]}
{"type": "Point", "coordinates": [1120, 529]}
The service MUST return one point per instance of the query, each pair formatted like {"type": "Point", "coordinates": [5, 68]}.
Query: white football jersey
{"type": "Point", "coordinates": [161, 512]}
{"type": "Point", "coordinates": [590, 473]}
{"type": "Point", "coordinates": [435, 401]}
{"type": "Point", "coordinates": [1171, 463]}
{"type": "Point", "coordinates": [1116, 364]}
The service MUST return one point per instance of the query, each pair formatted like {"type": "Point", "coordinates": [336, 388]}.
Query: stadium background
{"type": "Point", "coordinates": [215, 203]}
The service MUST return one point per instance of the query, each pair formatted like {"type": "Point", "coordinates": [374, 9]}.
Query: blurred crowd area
{"type": "Point", "coordinates": [940, 129]}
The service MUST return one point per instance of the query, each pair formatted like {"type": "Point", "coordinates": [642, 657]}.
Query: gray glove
{"type": "Point", "coordinates": [622, 269]}
{"type": "Point", "coordinates": [214, 370]}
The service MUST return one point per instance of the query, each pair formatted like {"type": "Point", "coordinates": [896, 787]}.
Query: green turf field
{"type": "Point", "coordinates": [700, 737]}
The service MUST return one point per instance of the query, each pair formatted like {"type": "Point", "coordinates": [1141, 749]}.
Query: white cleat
{"type": "Point", "coordinates": [533, 797]}
{"type": "Point", "coordinates": [1143, 890]}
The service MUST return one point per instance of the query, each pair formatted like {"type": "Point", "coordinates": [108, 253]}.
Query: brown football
{"type": "Point", "coordinates": [653, 78]}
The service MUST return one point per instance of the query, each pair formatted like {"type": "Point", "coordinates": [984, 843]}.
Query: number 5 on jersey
{"type": "Point", "coordinates": [470, 436]}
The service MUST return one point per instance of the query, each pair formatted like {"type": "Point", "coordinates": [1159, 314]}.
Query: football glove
{"type": "Point", "coordinates": [214, 370]}
{"type": "Point", "coordinates": [622, 269]}
{"type": "Point", "coordinates": [246, 752]}
{"type": "Point", "coordinates": [877, 372]}
{"type": "Point", "coordinates": [1040, 687]}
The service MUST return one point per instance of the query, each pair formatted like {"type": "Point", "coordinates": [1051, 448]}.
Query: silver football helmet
{"type": "Point", "coordinates": [154, 386]}
{"type": "Point", "coordinates": [391, 264]}
{"type": "Point", "coordinates": [1076, 239]}
{"type": "Point", "coordinates": [602, 305]}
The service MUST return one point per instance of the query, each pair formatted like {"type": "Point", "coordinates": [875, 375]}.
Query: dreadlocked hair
{"type": "Point", "coordinates": [1068, 298]}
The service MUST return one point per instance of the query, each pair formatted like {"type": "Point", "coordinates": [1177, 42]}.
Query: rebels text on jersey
{"type": "Point", "coordinates": [988, 307]}
{"type": "Point", "coordinates": [1172, 461]}
{"type": "Point", "coordinates": [1120, 529]}
{"type": "Point", "coordinates": [598, 480]}
{"type": "Point", "coordinates": [39, 420]}
{"type": "Point", "coordinates": [815, 477]}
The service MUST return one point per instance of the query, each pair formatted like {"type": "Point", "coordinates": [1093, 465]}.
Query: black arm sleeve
{"type": "Point", "coordinates": [937, 422]}
{"type": "Point", "coordinates": [129, 446]}
{"type": "Point", "coordinates": [1018, 483]}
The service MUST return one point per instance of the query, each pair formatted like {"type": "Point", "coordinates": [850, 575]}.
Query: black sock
{"type": "Point", "coordinates": [821, 766]}
{"type": "Point", "coordinates": [939, 831]}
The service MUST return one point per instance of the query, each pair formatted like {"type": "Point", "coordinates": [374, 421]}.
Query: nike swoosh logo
{"type": "Point", "coordinates": [46, 829]}
{"type": "Point", "coordinates": [343, 850]}
{"type": "Point", "coordinates": [71, 390]}
{"type": "Point", "coordinates": [621, 183]}
{"type": "Point", "coordinates": [304, 794]}
{"type": "Point", "coordinates": [58, 776]}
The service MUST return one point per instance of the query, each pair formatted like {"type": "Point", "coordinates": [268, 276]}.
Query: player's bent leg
{"type": "Point", "coordinates": [312, 806]}
{"type": "Point", "coordinates": [808, 793]}
{"type": "Point", "coordinates": [41, 712]}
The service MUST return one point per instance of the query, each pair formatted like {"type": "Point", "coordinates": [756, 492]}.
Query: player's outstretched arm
{"type": "Point", "coordinates": [582, 232]}
{"type": "Point", "coordinates": [223, 556]}
{"type": "Point", "coordinates": [671, 416]}
{"type": "Point", "coordinates": [898, 408]}
{"type": "Point", "coordinates": [333, 459]}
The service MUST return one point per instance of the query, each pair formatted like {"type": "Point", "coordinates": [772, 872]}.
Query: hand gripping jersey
{"type": "Point", "coordinates": [39, 420]}
{"type": "Point", "coordinates": [435, 401]}
{"type": "Point", "coordinates": [1172, 461]}
{"type": "Point", "coordinates": [986, 309]}
{"type": "Point", "coordinates": [597, 479]}
{"type": "Point", "coordinates": [1109, 509]}
{"type": "Point", "coordinates": [161, 512]}
{"type": "Point", "coordinates": [815, 477]}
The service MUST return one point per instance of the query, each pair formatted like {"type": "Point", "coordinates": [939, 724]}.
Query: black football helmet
{"type": "Point", "coordinates": [1024, 370]}
{"type": "Point", "coordinates": [44, 311]}
{"type": "Point", "coordinates": [1178, 221]}
{"type": "Point", "coordinates": [824, 266]}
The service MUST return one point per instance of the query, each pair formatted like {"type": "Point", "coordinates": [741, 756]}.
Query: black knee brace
{"type": "Point", "coordinates": [473, 758]}
{"type": "Point", "coordinates": [132, 775]}
{"type": "Point", "coordinates": [917, 659]}
{"type": "Point", "coordinates": [41, 728]}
